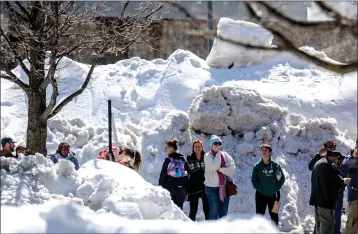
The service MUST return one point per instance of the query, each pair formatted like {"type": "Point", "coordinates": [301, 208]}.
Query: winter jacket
{"type": "Point", "coordinates": [213, 164]}
{"type": "Point", "coordinates": [325, 184]}
{"type": "Point", "coordinates": [169, 182]}
{"type": "Point", "coordinates": [71, 157]}
{"type": "Point", "coordinates": [313, 161]}
{"type": "Point", "coordinates": [350, 168]}
{"type": "Point", "coordinates": [267, 179]}
{"type": "Point", "coordinates": [196, 177]}
{"type": "Point", "coordinates": [6, 153]}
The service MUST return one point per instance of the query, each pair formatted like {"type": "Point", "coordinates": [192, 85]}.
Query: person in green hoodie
{"type": "Point", "coordinates": [267, 179]}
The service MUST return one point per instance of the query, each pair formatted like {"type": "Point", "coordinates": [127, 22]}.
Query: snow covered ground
{"type": "Point", "coordinates": [284, 101]}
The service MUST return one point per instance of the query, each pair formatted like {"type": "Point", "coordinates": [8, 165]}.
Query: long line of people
{"type": "Point", "coordinates": [206, 176]}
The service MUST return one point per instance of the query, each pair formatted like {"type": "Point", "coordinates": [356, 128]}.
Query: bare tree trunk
{"type": "Point", "coordinates": [37, 126]}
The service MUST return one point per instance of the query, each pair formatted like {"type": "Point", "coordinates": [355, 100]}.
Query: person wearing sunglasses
{"type": "Point", "coordinates": [267, 179]}
{"type": "Point", "coordinates": [218, 166]}
{"type": "Point", "coordinates": [64, 153]}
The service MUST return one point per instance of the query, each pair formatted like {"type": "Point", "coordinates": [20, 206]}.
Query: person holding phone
{"type": "Point", "coordinates": [326, 182]}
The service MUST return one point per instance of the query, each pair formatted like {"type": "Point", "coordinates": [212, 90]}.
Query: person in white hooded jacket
{"type": "Point", "coordinates": [218, 166]}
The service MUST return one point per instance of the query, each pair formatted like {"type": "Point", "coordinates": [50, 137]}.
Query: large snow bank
{"type": "Point", "coordinates": [224, 53]}
{"type": "Point", "coordinates": [102, 185]}
{"type": "Point", "coordinates": [69, 217]}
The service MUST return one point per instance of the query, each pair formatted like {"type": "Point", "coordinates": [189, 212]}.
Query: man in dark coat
{"type": "Point", "coordinates": [326, 182]}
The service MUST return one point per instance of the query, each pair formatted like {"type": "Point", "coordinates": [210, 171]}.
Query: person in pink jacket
{"type": "Point", "coordinates": [123, 155]}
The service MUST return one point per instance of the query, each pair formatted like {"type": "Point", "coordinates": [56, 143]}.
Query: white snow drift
{"type": "Point", "coordinates": [69, 217]}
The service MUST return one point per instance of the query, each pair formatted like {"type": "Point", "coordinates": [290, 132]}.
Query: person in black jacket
{"type": "Point", "coordinates": [173, 175]}
{"type": "Point", "coordinates": [326, 183]}
{"type": "Point", "coordinates": [195, 187]}
{"type": "Point", "coordinates": [330, 145]}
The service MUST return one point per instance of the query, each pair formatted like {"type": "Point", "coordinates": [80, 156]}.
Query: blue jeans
{"type": "Point", "coordinates": [218, 209]}
{"type": "Point", "coordinates": [338, 213]}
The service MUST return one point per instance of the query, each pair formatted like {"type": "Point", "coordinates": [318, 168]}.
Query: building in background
{"type": "Point", "coordinates": [176, 31]}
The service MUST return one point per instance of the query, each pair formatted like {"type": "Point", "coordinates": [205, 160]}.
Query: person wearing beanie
{"type": "Point", "coordinates": [267, 179]}
{"type": "Point", "coordinates": [64, 153]}
{"type": "Point", "coordinates": [219, 165]}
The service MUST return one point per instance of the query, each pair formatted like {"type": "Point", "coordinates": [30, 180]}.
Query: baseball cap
{"type": "Point", "coordinates": [336, 154]}
{"type": "Point", "coordinates": [7, 140]}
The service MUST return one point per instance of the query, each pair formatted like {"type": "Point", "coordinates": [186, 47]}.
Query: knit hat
{"type": "Point", "coordinates": [214, 139]}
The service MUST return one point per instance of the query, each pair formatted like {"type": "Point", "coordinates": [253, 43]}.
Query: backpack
{"type": "Point", "coordinates": [176, 168]}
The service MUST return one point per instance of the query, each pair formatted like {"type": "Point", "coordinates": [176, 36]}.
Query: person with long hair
{"type": "Point", "coordinates": [123, 155]}
{"type": "Point", "coordinates": [196, 178]}
{"type": "Point", "coordinates": [173, 176]}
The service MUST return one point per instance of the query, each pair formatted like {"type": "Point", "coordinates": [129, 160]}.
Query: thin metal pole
{"type": "Point", "coordinates": [110, 152]}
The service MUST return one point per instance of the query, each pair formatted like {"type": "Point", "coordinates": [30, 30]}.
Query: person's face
{"type": "Point", "coordinates": [10, 146]}
{"type": "Point", "coordinates": [216, 146]}
{"type": "Point", "coordinates": [198, 148]}
{"type": "Point", "coordinates": [20, 150]}
{"type": "Point", "coordinates": [65, 150]}
{"type": "Point", "coordinates": [169, 149]}
{"type": "Point", "coordinates": [335, 160]}
{"type": "Point", "coordinates": [265, 153]}
{"type": "Point", "coordinates": [331, 146]}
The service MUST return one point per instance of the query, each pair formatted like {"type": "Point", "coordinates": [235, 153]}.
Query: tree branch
{"type": "Point", "coordinates": [13, 78]}
{"type": "Point", "coordinates": [23, 9]}
{"type": "Point", "coordinates": [287, 45]}
{"type": "Point", "coordinates": [17, 56]}
{"type": "Point", "coordinates": [73, 95]}
{"type": "Point", "coordinates": [329, 11]}
{"type": "Point", "coordinates": [317, 24]}
{"type": "Point", "coordinates": [153, 12]}
{"type": "Point", "coordinates": [124, 8]}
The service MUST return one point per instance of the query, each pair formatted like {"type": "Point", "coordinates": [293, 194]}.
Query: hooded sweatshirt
{"type": "Point", "coordinates": [267, 179]}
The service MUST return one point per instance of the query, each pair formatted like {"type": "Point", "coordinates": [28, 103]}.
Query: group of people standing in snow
{"type": "Point", "coordinates": [123, 155]}
{"type": "Point", "coordinates": [208, 176]}
{"type": "Point", "coordinates": [331, 174]}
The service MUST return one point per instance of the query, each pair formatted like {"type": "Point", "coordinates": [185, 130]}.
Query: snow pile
{"type": "Point", "coordinates": [34, 179]}
{"type": "Point", "coordinates": [231, 110]}
{"type": "Point", "coordinates": [224, 53]}
{"type": "Point", "coordinates": [99, 184]}
{"type": "Point", "coordinates": [68, 217]}
{"type": "Point", "coordinates": [110, 187]}
{"type": "Point", "coordinates": [245, 120]}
